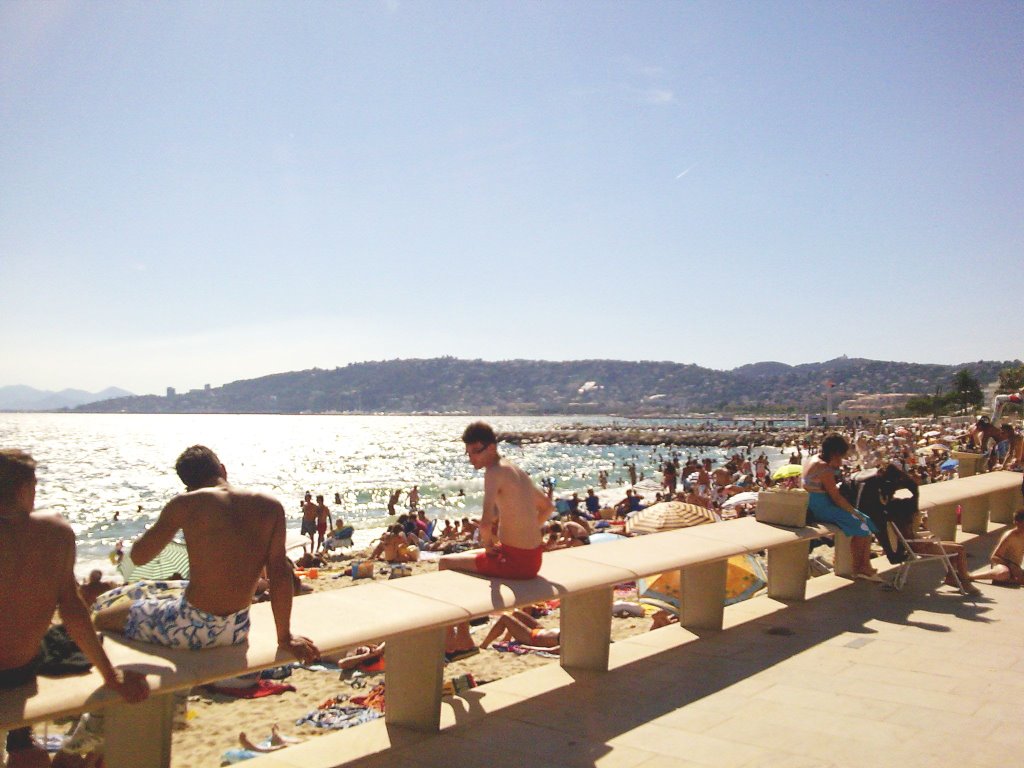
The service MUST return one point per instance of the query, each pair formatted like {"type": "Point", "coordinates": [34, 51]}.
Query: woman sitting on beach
{"type": "Point", "coordinates": [826, 505]}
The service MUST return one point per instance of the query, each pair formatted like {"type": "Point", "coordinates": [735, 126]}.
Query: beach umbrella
{"type": "Point", "coordinates": [668, 515]}
{"type": "Point", "coordinates": [786, 471]}
{"type": "Point", "coordinates": [949, 464]}
{"type": "Point", "coordinates": [933, 447]}
{"type": "Point", "coordinates": [932, 433]}
{"type": "Point", "coordinates": [744, 576]}
{"type": "Point", "coordinates": [740, 498]}
{"type": "Point", "coordinates": [173, 559]}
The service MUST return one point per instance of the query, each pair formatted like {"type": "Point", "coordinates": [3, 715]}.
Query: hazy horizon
{"type": "Point", "coordinates": [196, 193]}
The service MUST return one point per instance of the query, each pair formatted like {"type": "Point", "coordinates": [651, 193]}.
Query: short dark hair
{"type": "Point", "coordinates": [1018, 516]}
{"type": "Point", "coordinates": [197, 466]}
{"type": "Point", "coordinates": [479, 432]}
{"type": "Point", "coordinates": [834, 445]}
{"type": "Point", "coordinates": [16, 468]}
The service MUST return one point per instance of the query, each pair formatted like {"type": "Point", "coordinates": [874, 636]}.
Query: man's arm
{"type": "Point", "coordinates": [543, 504]}
{"type": "Point", "coordinates": [490, 510]}
{"type": "Point", "coordinates": [159, 535]}
{"type": "Point", "coordinates": [281, 592]}
{"type": "Point", "coordinates": [131, 686]}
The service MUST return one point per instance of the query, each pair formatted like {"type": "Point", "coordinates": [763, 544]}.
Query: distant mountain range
{"type": "Point", "coordinates": [450, 385]}
{"type": "Point", "coordinates": [21, 398]}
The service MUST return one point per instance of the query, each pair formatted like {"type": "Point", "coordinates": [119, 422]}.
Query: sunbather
{"type": "Point", "coordinates": [524, 629]}
{"type": "Point", "coordinates": [1005, 563]}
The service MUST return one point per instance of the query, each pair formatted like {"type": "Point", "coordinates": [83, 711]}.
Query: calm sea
{"type": "Point", "coordinates": [92, 466]}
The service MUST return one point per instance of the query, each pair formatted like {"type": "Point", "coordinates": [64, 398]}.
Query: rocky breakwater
{"type": "Point", "coordinates": [633, 435]}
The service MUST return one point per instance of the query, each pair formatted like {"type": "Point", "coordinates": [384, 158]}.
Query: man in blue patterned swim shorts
{"type": "Point", "coordinates": [231, 534]}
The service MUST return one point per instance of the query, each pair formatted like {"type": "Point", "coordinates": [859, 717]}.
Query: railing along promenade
{"type": "Point", "coordinates": [412, 614]}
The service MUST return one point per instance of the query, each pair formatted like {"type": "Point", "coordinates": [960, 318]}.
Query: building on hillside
{"type": "Point", "coordinates": [873, 407]}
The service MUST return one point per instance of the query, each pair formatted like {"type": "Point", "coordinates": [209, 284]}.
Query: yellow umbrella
{"type": "Point", "coordinates": [668, 515]}
{"type": "Point", "coordinates": [787, 471]}
{"type": "Point", "coordinates": [744, 577]}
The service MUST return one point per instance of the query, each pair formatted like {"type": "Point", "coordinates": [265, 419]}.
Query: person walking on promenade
{"type": "Point", "coordinates": [231, 534]}
{"type": "Point", "coordinates": [826, 505]}
{"type": "Point", "coordinates": [510, 525]}
{"type": "Point", "coordinates": [37, 559]}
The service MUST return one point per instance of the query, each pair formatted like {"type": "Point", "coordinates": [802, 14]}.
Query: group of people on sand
{"type": "Point", "coordinates": [316, 520]}
{"type": "Point", "coordinates": [224, 523]}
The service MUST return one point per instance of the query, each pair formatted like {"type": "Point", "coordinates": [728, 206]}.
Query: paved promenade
{"type": "Point", "coordinates": [856, 676]}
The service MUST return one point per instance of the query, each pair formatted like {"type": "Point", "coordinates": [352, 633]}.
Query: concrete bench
{"type": "Point", "coordinates": [992, 496]}
{"type": "Point", "coordinates": [412, 615]}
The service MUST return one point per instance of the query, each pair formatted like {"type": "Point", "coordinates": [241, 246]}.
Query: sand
{"type": "Point", "coordinates": [215, 720]}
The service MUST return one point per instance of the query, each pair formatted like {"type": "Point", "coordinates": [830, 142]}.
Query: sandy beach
{"type": "Point", "coordinates": [215, 720]}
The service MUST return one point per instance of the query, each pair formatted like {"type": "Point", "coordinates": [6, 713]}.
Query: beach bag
{"type": "Point", "coordinates": [788, 508]}
{"type": "Point", "coordinates": [362, 569]}
{"type": "Point", "coordinates": [400, 571]}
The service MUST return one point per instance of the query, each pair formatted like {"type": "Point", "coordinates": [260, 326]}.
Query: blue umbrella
{"type": "Point", "coordinates": [949, 464]}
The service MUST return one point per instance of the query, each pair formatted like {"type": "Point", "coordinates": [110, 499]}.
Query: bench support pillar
{"type": "Point", "coordinates": [974, 513]}
{"type": "Point", "coordinates": [942, 521]}
{"type": "Point", "coordinates": [787, 571]}
{"type": "Point", "coordinates": [412, 678]}
{"type": "Point", "coordinates": [587, 630]}
{"type": "Point", "coordinates": [1003, 504]}
{"type": "Point", "coordinates": [139, 735]}
{"type": "Point", "coordinates": [703, 595]}
{"type": "Point", "coordinates": [843, 562]}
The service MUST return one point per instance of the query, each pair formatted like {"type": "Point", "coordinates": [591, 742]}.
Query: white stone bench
{"type": "Point", "coordinates": [412, 615]}
{"type": "Point", "coordinates": [991, 496]}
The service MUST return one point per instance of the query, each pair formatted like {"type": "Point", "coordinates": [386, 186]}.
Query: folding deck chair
{"type": "Point", "coordinates": [915, 558]}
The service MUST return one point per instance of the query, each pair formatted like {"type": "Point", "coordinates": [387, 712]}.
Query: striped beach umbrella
{"type": "Point", "coordinates": [172, 560]}
{"type": "Point", "coordinates": [668, 515]}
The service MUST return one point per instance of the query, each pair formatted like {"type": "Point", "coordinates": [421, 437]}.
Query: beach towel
{"type": "Point", "coordinates": [258, 691]}
{"type": "Point", "coordinates": [334, 714]}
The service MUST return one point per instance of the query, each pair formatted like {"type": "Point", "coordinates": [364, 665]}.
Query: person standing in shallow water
{"type": "Point", "coordinates": [37, 558]}
{"type": "Point", "coordinates": [510, 524]}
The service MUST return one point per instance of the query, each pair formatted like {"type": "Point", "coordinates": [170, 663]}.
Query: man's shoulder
{"type": "Point", "coordinates": [229, 495]}
{"type": "Point", "coordinates": [49, 524]}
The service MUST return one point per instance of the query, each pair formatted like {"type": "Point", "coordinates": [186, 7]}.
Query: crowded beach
{"type": "Point", "coordinates": [240, 718]}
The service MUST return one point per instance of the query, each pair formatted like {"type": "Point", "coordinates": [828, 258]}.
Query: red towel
{"type": "Point", "coordinates": [261, 689]}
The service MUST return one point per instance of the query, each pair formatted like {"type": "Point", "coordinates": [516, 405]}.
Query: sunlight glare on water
{"type": "Point", "coordinates": [93, 465]}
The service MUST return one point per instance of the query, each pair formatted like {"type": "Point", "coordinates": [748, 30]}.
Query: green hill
{"type": "Point", "coordinates": [450, 385]}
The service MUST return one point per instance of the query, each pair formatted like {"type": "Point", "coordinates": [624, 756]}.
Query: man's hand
{"type": "Point", "coordinates": [302, 648]}
{"type": "Point", "coordinates": [130, 686]}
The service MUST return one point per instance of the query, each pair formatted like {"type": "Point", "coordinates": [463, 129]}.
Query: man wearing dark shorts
{"type": "Point", "coordinates": [510, 524]}
{"type": "Point", "coordinates": [37, 558]}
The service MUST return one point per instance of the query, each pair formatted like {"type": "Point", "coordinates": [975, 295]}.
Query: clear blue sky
{"type": "Point", "coordinates": [199, 192]}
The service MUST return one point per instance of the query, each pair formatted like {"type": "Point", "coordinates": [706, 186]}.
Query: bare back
{"type": "Point", "coordinates": [231, 534]}
{"type": "Point", "coordinates": [521, 505]}
{"type": "Point", "coordinates": [1011, 548]}
{"type": "Point", "coordinates": [37, 554]}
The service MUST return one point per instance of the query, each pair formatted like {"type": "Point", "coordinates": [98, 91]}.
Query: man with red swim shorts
{"type": "Point", "coordinates": [510, 525]}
